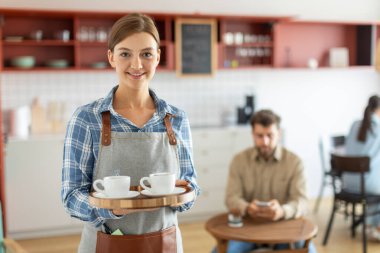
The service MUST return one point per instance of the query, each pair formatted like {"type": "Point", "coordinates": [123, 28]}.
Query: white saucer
{"type": "Point", "coordinates": [177, 190]}
{"type": "Point", "coordinates": [129, 195]}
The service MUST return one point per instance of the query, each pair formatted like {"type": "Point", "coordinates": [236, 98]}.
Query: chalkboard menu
{"type": "Point", "coordinates": [195, 47]}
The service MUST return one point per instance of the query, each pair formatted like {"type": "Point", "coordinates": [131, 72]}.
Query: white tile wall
{"type": "Point", "coordinates": [204, 99]}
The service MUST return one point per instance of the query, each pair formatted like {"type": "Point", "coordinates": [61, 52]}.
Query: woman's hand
{"type": "Point", "coordinates": [129, 211]}
{"type": "Point", "coordinates": [180, 182]}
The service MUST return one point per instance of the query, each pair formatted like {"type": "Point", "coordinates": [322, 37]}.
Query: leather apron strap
{"type": "Point", "coordinates": [106, 129]}
{"type": "Point", "coordinates": [169, 129]}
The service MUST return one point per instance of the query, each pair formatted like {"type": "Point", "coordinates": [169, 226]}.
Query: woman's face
{"type": "Point", "coordinates": [135, 60]}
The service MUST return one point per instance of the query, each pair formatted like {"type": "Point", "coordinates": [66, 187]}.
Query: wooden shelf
{"type": "Point", "coordinates": [262, 44]}
{"type": "Point", "coordinates": [245, 43]}
{"type": "Point", "coordinates": [92, 43]}
{"type": "Point", "coordinates": [11, 69]}
{"type": "Point", "coordinates": [39, 43]}
{"type": "Point", "coordinates": [297, 42]}
{"type": "Point", "coordinates": [87, 44]}
{"type": "Point", "coordinates": [253, 42]}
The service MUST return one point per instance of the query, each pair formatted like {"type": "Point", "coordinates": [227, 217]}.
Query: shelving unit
{"type": "Point", "coordinates": [86, 48]}
{"type": "Point", "coordinates": [243, 41]}
{"type": "Point", "coordinates": [297, 42]}
{"type": "Point", "coordinates": [246, 42]}
{"type": "Point", "coordinates": [17, 40]}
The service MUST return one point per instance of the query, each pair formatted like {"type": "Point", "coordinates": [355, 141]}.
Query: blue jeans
{"type": "Point", "coordinates": [244, 247]}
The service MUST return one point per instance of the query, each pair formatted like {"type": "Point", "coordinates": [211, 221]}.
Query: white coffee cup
{"type": "Point", "coordinates": [161, 183]}
{"type": "Point", "coordinates": [113, 186]}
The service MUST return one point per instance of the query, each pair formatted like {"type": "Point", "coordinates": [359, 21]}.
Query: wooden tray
{"type": "Point", "coordinates": [142, 201]}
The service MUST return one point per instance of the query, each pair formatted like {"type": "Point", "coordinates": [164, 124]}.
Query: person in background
{"type": "Point", "coordinates": [129, 132]}
{"type": "Point", "coordinates": [364, 140]}
{"type": "Point", "coordinates": [266, 181]}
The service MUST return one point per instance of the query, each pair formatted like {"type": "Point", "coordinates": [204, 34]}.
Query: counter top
{"type": "Point", "coordinates": [194, 128]}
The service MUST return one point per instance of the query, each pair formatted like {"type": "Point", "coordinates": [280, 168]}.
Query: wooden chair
{"type": "Point", "coordinates": [360, 165]}
{"type": "Point", "coordinates": [327, 145]}
{"type": "Point", "coordinates": [8, 245]}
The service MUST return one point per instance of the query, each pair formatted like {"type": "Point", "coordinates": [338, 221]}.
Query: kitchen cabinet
{"type": "Point", "coordinates": [214, 149]}
{"type": "Point", "coordinates": [246, 42]}
{"type": "Point", "coordinates": [33, 184]}
{"type": "Point", "coordinates": [74, 40]}
{"type": "Point", "coordinates": [66, 40]}
{"type": "Point", "coordinates": [298, 42]}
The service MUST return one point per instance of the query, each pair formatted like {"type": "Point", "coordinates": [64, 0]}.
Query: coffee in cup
{"type": "Point", "coordinates": [113, 186]}
{"type": "Point", "coordinates": [160, 183]}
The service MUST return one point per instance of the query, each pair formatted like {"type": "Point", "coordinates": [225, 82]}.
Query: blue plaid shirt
{"type": "Point", "coordinates": [81, 150]}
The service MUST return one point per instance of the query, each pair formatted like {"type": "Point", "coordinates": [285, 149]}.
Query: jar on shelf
{"type": "Point", "coordinates": [83, 33]}
{"type": "Point", "coordinates": [101, 34]}
{"type": "Point", "coordinates": [91, 34]}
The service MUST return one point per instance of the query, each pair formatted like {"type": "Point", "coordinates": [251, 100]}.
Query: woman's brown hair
{"type": "Point", "coordinates": [130, 24]}
{"type": "Point", "coordinates": [365, 127]}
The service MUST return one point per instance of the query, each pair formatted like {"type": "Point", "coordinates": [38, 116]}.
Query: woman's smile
{"type": "Point", "coordinates": [136, 75]}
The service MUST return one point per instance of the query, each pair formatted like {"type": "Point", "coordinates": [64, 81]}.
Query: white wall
{"type": "Point", "coordinates": [309, 9]}
{"type": "Point", "coordinates": [312, 103]}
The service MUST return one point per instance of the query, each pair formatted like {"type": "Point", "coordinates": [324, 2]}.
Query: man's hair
{"type": "Point", "coordinates": [265, 118]}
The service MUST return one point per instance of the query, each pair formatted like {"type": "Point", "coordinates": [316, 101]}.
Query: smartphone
{"type": "Point", "coordinates": [262, 203]}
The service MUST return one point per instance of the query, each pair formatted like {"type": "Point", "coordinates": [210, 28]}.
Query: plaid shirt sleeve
{"type": "Point", "coordinates": [78, 164]}
{"type": "Point", "coordinates": [185, 153]}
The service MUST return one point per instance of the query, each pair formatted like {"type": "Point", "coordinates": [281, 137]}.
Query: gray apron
{"type": "Point", "coordinates": [135, 154]}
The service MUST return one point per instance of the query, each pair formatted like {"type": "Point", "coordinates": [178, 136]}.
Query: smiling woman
{"type": "Point", "coordinates": [135, 59]}
{"type": "Point", "coordinates": [131, 132]}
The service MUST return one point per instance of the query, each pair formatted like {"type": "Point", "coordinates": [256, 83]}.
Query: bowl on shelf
{"type": "Point", "coordinates": [14, 38]}
{"type": "Point", "coordinates": [99, 65]}
{"type": "Point", "coordinates": [58, 63]}
{"type": "Point", "coordinates": [26, 61]}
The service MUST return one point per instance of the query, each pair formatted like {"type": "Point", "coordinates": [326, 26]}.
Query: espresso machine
{"type": "Point", "coordinates": [245, 112]}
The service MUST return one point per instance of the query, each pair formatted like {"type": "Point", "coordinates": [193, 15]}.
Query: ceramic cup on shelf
{"type": "Point", "coordinates": [312, 63]}
{"type": "Point", "coordinates": [63, 35]}
{"type": "Point", "coordinates": [238, 38]}
{"type": "Point", "coordinates": [160, 183]}
{"type": "Point", "coordinates": [113, 186]}
{"type": "Point", "coordinates": [228, 38]}
{"type": "Point", "coordinates": [36, 35]}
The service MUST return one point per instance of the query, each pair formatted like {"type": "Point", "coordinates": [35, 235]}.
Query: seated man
{"type": "Point", "coordinates": [267, 173]}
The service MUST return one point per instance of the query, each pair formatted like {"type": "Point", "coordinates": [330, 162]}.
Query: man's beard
{"type": "Point", "coordinates": [265, 152]}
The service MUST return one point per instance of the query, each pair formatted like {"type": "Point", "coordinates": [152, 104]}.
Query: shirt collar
{"type": "Point", "coordinates": [161, 106]}
{"type": "Point", "coordinates": [277, 155]}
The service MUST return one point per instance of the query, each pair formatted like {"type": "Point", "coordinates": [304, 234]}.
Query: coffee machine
{"type": "Point", "coordinates": [245, 112]}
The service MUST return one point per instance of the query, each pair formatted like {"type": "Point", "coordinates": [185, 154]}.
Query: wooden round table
{"type": "Point", "coordinates": [284, 231]}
